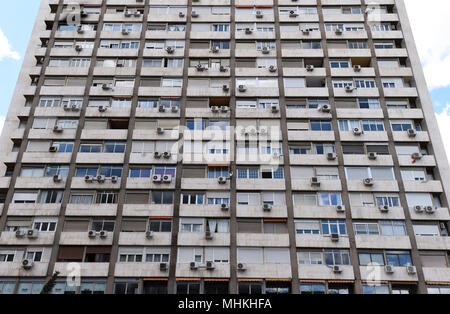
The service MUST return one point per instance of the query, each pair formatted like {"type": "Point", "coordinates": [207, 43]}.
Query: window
{"type": "Point", "coordinates": [312, 289]}
{"type": "Point", "coordinates": [162, 197]}
{"type": "Point", "coordinates": [398, 258]}
{"type": "Point", "coordinates": [336, 257]}
{"type": "Point", "coordinates": [367, 259]}
{"type": "Point", "coordinates": [376, 289]}
{"type": "Point", "coordinates": [393, 228]}
{"type": "Point", "coordinates": [333, 227]}
{"type": "Point", "coordinates": [160, 225]}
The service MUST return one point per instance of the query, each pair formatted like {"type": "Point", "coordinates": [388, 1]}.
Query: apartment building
{"type": "Point", "coordinates": [223, 146]}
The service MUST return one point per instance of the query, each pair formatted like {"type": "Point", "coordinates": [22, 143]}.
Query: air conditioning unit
{"type": "Point", "coordinates": [160, 130]}
{"type": "Point", "coordinates": [102, 108]}
{"type": "Point", "coordinates": [106, 86]}
{"type": "Point", "coordinates": [27, 263]}
{"type": "Point", "coordinates": [372, 155]}
{"type": "Point", "coordinates": [137, 13]}
{"type": "Point", "coordinates": [215, 49]}
{"type": "Point", "coordinates": [242, 88]}
{"type": "Point", "coordinates": [163, 267]}
{"type": "Point", "coordinates": [200, 67]}
{"type": "Point", "coordinates": [75, 108]}
{"type": "Point", "coordinates": [340, 208]}
{"type": "Point", "coordinates": [149, 234]}
{"type": "Point", "coordinates": [167, 178]}
{"type": "Point", "coordinates": [349, 89]}
{"type": "Point", "coordinates": [88, 179]}
{"type": "Point", "coordinates": [337, 269]}
{"type": "Point", "coordinates": [53, 149]}
{"type": "Point", "coordinates": [210, 265]}
{"type": "Point", "coordinates": [194, 14]}
{"type": "Point", "coordinates": [128, 13]}
{"type": "Point", "coordinates": [224, 207]}
{"type": "Point", "coordinates": [272, 68]}
{"type": "Point", "coordinates": [265, 50]}
{"type": "Point", "coordinates": [419, 208]}
{"type": "Point", "coordinates": [368, 181]}
{"type": "Point", "coordinates": [208, 235]}
{"type": "Point", "coordinates": [357, 68]}
{"type": "Point", "coordinates": [264, 130]}
{"type": "Point", "coordinates": [411, 270]}
{"type": "Point", "coordinates": [57, 129]}
{"type": "Point", "coordinates": [32, 233]}
{"type": "Point", "coordinates": [125, 32]}
{"type": "Point", "coordinates": [215, 109]}
{"type": "Point", "coordinates": [248, 30]}
{"type": "Point", "coordinates": [325, 108]}
{"type": "Point", "coordinates": [223, 69]}
{"type": "Point", "coordinates": [157, 178]}
{"type": "Point", "coordinates": [114, 179]}
{"type": "Point", "coordinates": [101, 179]}
{"type": "Point", "coordinates": [275, 108]}
{"type": "Point", "coordinates": [103, 234]}
{"type": "Point", "coordinates": [357, 131]}
{"type": "Point", "coordinates": [224, 109]}
{"type": "Point", "coordinates": [315, 181]}
{"type": "Point", "coordinates": [331, 156]}
{"type": "Point", "coordinates": [259, 14]}
{"type": "Point", "coordinates": [80, 29]}
{"type": "Point", "coordinates": [338, 31]}
{"type": "Point", "coordinates": [67, 107]}
{"type": "Point", "coordinates": [412, 133]}
{"type": "Point", "coordinates": [309, 68]}
{"type": "Point", "coordinates": [430, 209]}
{"type": "Point", "coordinates": [78, 48]}
{"type": "Point", "coordinates": [267, 207]}
{"type": "Point", "coordinates": [417, 156]}
{"type": "Point", "coordinates": [383, 208]}
{"type": "Point", "coordinates": [181, 14]}
{"type": "Point", "coordinates": [222, 180]}
{"type": "Point", "coordinates": [225, 88]}
{"type": "Point", "coordinates": [57, 178]}
{"type": "Point", "coordinates": [157, 155]}
{"type": "Point", "coordinates": [161, 108]}
{"type": "Point", "coordinates": [194, 265]}
{"type": "Point", "coordinates": [241, 267]}
{"type": "Point", "coordinates": [292, 13]}
{"type": "Point", "coordinates": [335, 237]}
{"type": "Point", "coordinates": [20, 233]}
{"type": "Point", "coordinates": [305, 31]}
{"type": "Point", "coordinates": [170, 49]}
{"type": "Point", "coordinates": [175, 109]}
{"type": "Point", "coordinates": [167, 155]}
{"type": "Point", "coordinates": [389, 269]}
{"type": "Point", "coordinates": [92, 234]}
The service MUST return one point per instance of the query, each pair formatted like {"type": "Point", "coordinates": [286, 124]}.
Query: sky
{"type": "Point", "coordinates": [430, 27]}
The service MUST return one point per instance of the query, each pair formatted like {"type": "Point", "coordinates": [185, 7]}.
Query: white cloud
{"type": "Point", "coordinates": [430, 24]}
{"type": "Point", "coordinates": [443, 119]}
{"type": "Point", "coordinates": [6, 50]}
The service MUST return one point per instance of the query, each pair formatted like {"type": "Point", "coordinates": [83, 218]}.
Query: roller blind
{"type": "Point", "coordinates": [38, 146]}
{"type": "Point", "coordinates": [276, 256]}
{"type": "Point", "coordinates": [76, 225]}
{"type": "Point", "coordinates": [134, 225]}
{"type": "Point", "coordinates": [250, 255]}
{"type": "Point", "coordinates": [302, 172]}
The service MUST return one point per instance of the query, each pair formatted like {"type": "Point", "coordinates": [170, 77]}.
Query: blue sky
{"type": "Point", "coordinates": [17, 19]}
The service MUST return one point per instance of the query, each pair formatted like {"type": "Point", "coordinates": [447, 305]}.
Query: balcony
{"type": "Point", "coordinates": [436, 274]}
{"type": "Point", "coordinates": [100, 158]}
{"type": "Point", "coordinates": [203, 211]}
{"type": "Point", "coordinates": [349, 53]}
{"type": "Point", "coordinates": [158, 91]}
{"type": "Point", "coordinates": [86, 269]}
{"type": "Point", "coordinates": [261, 184]}
{"type": "Point", "coordinates": [147, 183]}
{"type": "Point", "coordinates": [441, 213]}
{"type": "Point", "coordinates": [82, 238]}
{"type": "Point", "coordinates": [145, 210]}
{"type": "Point", "coordinates": [421, 136]}
{"type": "Point", "coordinates": [432, 186]}
{"type": "Point", "coordinates": [309, 160]}
{"type": "Point", "coordinates": [139, 238]}
{"type": "Point", "coordinates": [401, 92]}
{"type": "Point", "coordinates": [111, 112]}
{"type": "Point", "coordinates": [405, 114]}
{"type": "Point", "coordinates": [378, 186]}
{"type": "Point", "coordinates": [425, 161]}
{"type": "Point", "coordinates": [306, 92]}
{"type": "Point", "coordinates": [400, 274]}
{"type": "Point", "coordinates": [34, 209]}
{"type": "Point", "coordinates": [139, 270]}
{"type": "Point", "coordinates": [324, 241]}
{"type": "Point", "coordinates": [303, 136]}
{"type": "Point", "coordinates": [315, 212]}
{"type": "Point", "coordinates": [207, 92]}
{"type": "Point", "coordinates": [203, 184]}
{"type": "Point", "coordinates": [302, 53]}
{"type": "Point", "coordinates": [67, 134]}
{"type": "Point", "coordinates": [433, 243]}
{"type": "Point", "coordinates": [43, 238]}
{"type": "Point", "coordinates": [383, 242]}
{"type": "Point", "coordinates": [325, 185]}
{"type": "Point", "coordinates": [84, 210]}
{"type": "Point", "coordinates": [363, 160]}
{"type": "Point", "coordinates": [262, 240]}
{"type": "Point", "coordinates": [15, 269]}
{"type": "Point", "coordinates": [220, 271]}
{"type": "Point", "coordinates": [149, 158]}
{"type": "Point", "coordinates": [394, 213]}
{"type": "Point", "coordinates": [198, 239]}
{"type": "Point", "coordinates": [80, 183]}
{"type": "Point", "coordinates": [104, 134]}
{"type": "Point", "coordinates": [43, 158]}
{"type": "Point", "coordinates": [35, 183]}
{"type": "Point", "coordinates": [256, 211]}
{"type": "Point", "coordinates": [324, 272]}
{"type": "Point", "coordinates": [354, 113]}
{"type": "Point", "coordinates": [279, 271]}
